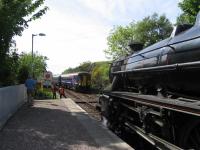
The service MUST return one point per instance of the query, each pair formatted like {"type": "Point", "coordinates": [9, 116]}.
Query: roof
{"type": "Point", "coordinates": [74, 74]}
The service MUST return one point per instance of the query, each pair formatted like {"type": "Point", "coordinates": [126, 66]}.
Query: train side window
{"type": "Point", "coordinates": [180, 28]}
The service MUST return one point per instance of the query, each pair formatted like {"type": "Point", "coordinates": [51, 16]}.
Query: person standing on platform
{"type": "Point", "coordinates": [30, 85]}
{"type": "Point", "coordinates": [54, 89]}
{"type": "Point", "coordinates": [62, 92]}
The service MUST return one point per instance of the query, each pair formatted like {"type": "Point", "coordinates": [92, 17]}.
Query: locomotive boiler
{"type": "Point", "coordinates": [171, 66]}
{"type": "Point", "coordinates": [155, 92]}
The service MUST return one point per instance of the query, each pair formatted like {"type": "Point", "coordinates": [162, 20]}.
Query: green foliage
{"type": "Point", "coordinates": [14, 18]}
{"type": "Point", "coordinates": [8, 68]}
{"type": "Point", "coordinates": [23, 74]}
{"type": "Point", "coordinates": [83, 67]}
{"type": "Point", "coordinates": [37, 65]}
{"type": "Point", "coordinates": [190, 10]}
{"type": "Point", "coordinates": [42, 94]}
{"type": "Point", "coordinates": [119, 39]}
{"type": "Point", "coordinates": [100, 75]}
{"type": "Point", "coordinates": [153, 29]}
{"type": "Point", "coordinates": [148, 31]}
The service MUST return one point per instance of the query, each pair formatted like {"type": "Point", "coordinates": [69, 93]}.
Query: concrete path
{"type": "Point", "coordinates": [56, 125]}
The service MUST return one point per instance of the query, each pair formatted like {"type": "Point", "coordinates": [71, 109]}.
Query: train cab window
{"type": "Point", "coordinates": [76, 78]}
{"type": "Point", "coordinates": [198, 20]}
{"type": "Point", "coordinates": [180, 28]}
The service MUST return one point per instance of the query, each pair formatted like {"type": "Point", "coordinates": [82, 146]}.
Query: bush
{"type": "Point", "coordinates": [43, 94]}
{"type": "Point", "coordinates": [100, 75]}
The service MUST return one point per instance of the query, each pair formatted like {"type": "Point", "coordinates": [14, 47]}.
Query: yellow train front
{"type": "Point", "coordinates": [80, 81]}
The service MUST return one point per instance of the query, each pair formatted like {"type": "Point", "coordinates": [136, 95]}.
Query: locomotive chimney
{"type": "Point", "coordinates": [136, 46]}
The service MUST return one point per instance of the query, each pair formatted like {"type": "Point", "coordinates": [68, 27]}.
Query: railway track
{"type": "Point", "coordinates": [85, 101]}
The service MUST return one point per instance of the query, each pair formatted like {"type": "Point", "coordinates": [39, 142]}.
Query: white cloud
{"type": "Point", "coordinates": [103, 7]}
{"type": "Point", "coordinates": [123, 11]}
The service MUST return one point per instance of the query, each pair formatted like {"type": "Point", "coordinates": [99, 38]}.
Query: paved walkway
{"type": "Point", "coordinates": [56, 125]}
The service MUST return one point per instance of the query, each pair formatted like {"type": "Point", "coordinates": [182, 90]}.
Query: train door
{"type": "Point", "coordinates": [84, 83]}
{"type": "Point", "coordinates": [88, 80]}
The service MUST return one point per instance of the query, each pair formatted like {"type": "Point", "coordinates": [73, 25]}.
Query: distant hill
{"type": "Point", "coordinates": [98, 70]}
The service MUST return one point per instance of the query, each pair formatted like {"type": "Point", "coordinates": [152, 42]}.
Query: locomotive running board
{"type": "Point", "coordinates": [188, 107]}
{"type": "Point", "coordinates": [152, 139]}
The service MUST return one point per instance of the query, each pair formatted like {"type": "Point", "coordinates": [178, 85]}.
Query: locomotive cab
{"type": "Point", "coordinates": [180, 28]}
{"type": "Point", "coordinates": [198, 20]}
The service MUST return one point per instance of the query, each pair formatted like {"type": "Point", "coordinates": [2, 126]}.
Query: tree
{"type": "Point", "coordinates": [14, 18]}
{"type": "Point", "coordinates": [8, 68]}
{"type": "Point", "coordinates": [26, 65]}
{"type": "Point", "coordinates": [190, 10]}
{"type": "Point", "coordinates": [153, 29]}
{"type": "Point", "coordinates": [100, 75]}
{"type": "Point", "coordinates": [23, 74]}
{"type": "Point", "coordinates": [118, 41]}
{"type": "Point", "coordinates": [85, 66]}
{"type": "Point", "coordinates": [148, 31]}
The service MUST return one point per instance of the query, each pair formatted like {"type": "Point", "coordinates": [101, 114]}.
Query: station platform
{"type": "Point", "coordinates": [57, 125]}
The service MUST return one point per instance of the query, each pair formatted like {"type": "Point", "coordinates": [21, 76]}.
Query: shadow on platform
{"type": "Point", "coordinates": [45, 129]}
{"type": "Point", "coordinates": [48, 125]}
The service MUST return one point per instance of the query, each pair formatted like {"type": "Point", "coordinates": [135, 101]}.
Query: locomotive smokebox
{"type": "Point", "coordinates": [136, 46]}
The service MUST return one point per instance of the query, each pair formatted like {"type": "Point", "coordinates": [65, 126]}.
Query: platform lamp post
{"type": "Point", "coordinates": [40, 34]}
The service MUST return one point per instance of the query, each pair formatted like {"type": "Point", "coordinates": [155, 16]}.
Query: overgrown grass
{"type": "Point", "coordinates": [44, 93]}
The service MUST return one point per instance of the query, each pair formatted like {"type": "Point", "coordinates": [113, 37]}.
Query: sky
{"type": "Point", "coordinates": [77, 30]}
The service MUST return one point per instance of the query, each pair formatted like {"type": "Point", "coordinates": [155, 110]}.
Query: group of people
{"type": "Point", "coordinates": [59, 89]}
{"type": "Point", "coordinates": [30, 84]}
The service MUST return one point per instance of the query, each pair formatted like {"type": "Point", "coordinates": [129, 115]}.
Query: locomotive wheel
{"type": "Point", "coordinates": [190, 137]}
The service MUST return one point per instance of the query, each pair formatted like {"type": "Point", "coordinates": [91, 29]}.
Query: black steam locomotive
{"type": "Point", "coordinates": [170, 66]}
{"type": "Point", "coordinates": [155, 92]}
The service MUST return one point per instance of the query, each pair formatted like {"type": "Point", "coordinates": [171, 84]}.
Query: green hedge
{"type": "Point", "coordinates": [43, 94]}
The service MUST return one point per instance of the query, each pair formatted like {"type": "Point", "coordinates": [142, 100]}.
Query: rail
{"type": "Point", "coordinates": [84, 101]}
